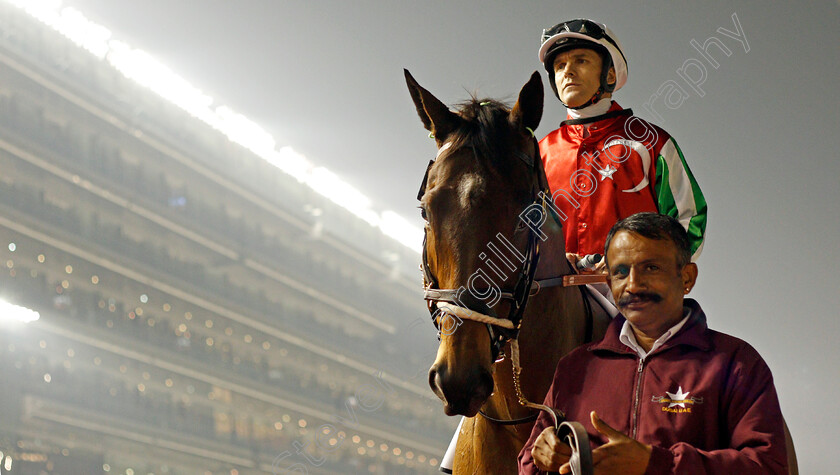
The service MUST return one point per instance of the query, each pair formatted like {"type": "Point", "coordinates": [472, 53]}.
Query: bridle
{"type": "Point", "coordinates": [462, 304]}
{"type": "Point", "coordinates": [500, 330]}
{"type": "Point", "coordinates": [454, 302]}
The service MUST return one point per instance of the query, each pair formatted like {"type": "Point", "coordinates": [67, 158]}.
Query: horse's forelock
{"type": "Point", "coordinates": [487, 129]}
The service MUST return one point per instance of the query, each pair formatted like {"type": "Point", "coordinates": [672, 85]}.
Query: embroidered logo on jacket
{"type": "Point", "coordinates": [677, 402]}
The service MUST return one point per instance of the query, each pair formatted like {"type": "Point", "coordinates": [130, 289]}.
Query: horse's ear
{"type": "Point", "coordinates": [529, 107]}
{"type": "Point", "coordinates": [436, 117]}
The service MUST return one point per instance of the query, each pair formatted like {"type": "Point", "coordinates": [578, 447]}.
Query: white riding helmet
{"type": "Point", "coordinates": [582, 33]}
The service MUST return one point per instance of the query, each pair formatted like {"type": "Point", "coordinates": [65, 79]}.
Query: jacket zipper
{"type": "Point", "coordinates": [635, 422]}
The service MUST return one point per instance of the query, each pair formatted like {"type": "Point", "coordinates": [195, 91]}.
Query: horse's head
{"type": "Point", "coordinates": [477, 246]}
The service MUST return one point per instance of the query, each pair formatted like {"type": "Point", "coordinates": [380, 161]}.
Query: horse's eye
{"type": "Point", "coordinates": [423, 213]}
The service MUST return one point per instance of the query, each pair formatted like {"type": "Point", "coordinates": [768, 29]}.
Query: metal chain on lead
{"type": "Point", "coordinates": [517, 385]}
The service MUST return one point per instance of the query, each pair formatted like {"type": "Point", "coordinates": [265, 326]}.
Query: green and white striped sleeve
{"type": "Point", "coordinates": [679, 196]}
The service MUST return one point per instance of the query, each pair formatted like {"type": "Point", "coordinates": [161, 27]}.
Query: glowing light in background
{"type": "Point", "coordinates": [141, 67]}
{"type": "Point", "coordinates": [338, 191]}
{"type": "Point", "coordinates": [10, 313]}
{"type": "Point", "coordinates": [397, 227]}
{"type": "Point", "coordinates": [290, 162]}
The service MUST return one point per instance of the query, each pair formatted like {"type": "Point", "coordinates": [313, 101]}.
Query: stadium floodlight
{"type": "Point", "coordinates": [340, 192]}
{"type": "Point", "coordinates": [85, 33]}
{"type": "Point", "coordinates": [242, 130]}
{"type": "Point", "coordinates": [45, 11]}
{"type": "Point", "coordinates": [69, 22]}
{"type": "Point", "coordinates": [10, 313]}
{"type": "Point", "coordinates": [399, 228]}
{"type": "Point", "coordinates": [290, 162]}
{"type": "Point", "coordinates": [141, 67]}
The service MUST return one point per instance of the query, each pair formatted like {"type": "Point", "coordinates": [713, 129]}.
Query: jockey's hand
{"type": "Point", "coordinates": [549, 452]}
{"type": "Point", "coordinates": [620, 454]}
{"type": "Point", "coordinates": [600, 267]}
{"type": "Point", "coordinates": [573, 259]}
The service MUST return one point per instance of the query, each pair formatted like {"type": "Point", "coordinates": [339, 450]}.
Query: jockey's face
{"type": "Point", "coordinates": [577, 75]}
{"type": "Point", "coordinates": [647, 282]}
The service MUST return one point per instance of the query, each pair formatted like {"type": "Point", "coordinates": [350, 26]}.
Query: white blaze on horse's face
{"type": "Point", "coordinates": [470, 190]}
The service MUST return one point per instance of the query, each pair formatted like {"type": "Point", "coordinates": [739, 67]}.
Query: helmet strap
{"type": "Point", "coordinates": [592, 100]}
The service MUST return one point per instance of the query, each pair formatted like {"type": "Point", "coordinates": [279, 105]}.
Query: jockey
{"type": "Point", "coordinates": [603, 163]}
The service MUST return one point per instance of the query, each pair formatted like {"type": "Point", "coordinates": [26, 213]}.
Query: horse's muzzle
{"type": "Point", "coordinates": [462, 395]}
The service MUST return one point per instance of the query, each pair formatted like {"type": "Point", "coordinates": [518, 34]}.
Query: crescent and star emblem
{"type": "Point", "coordinates": [606, 172]}
{"type": "Point", "coordinates": [644, 154]}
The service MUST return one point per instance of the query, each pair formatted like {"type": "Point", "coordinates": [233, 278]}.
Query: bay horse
{"type": "Point", "coordinates": [480, 200]}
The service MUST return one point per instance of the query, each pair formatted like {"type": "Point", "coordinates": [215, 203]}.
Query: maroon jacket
{"type": "Point", "coordinates": [704, 400]}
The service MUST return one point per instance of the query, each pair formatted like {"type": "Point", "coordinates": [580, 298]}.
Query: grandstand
{"type": "Point", "coordinates": [201, 311]}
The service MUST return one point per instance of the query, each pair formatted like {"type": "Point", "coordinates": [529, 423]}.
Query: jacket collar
{"type": "Point", "coordinates": [614, 111]}
{"type": "Point", "coordinates": [693, 333]}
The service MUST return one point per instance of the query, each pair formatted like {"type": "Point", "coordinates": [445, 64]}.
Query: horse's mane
{"type": "Point", "coordinates": [486, 128]}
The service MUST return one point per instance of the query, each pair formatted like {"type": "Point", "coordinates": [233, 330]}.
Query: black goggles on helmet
{"type": "Point", "coordinates": [587, 27]}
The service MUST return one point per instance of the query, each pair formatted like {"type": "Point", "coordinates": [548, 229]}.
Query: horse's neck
{"type": "Point", "coordinates": [552, 252]}
{"type": "Point", "coordinates": [492, 448]}
{"type": "Point", "coordinates": [555, 320]}
{"type": "Point", "coordinates": [488, 447]}
{"type": "Point", "coordinates": [552, 325]}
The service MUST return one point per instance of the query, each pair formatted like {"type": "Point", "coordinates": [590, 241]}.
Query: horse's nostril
{"type": "Point", "coordinates": [486, 383]}
{"type": "Point", "coordinates": [434, 378]}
